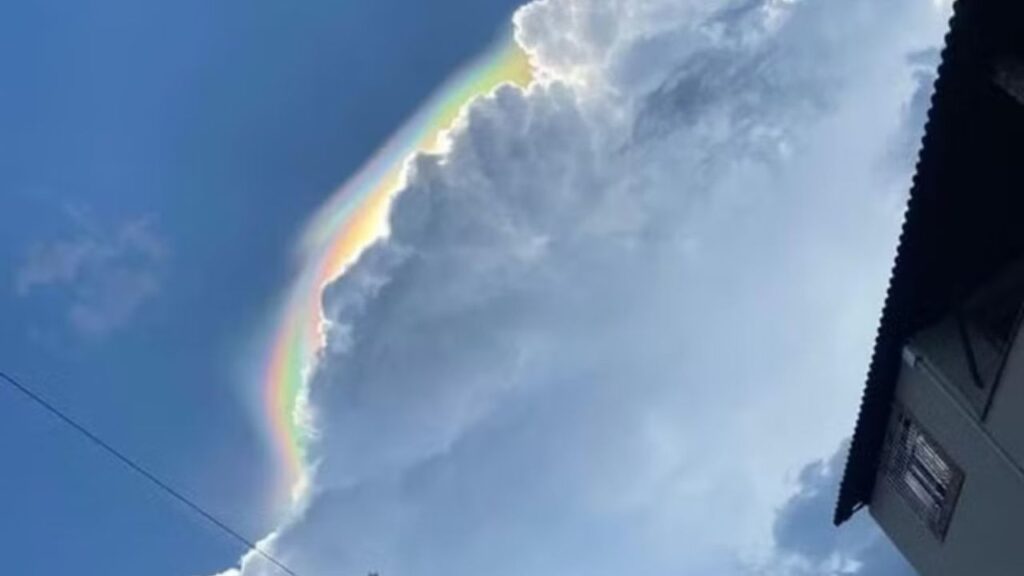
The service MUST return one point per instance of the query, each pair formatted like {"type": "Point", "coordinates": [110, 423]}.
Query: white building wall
{"type": "Point", "coordinates": [985, 536]}
{"type": "Point", "coordinates": [1005, 418]}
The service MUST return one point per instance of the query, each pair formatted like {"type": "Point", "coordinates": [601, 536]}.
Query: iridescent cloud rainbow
{"type": "Point", "coordinates": [355, 216]}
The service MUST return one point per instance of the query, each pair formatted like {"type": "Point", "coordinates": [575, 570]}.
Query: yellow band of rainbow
{"type": "Point", "coordinates": [349, 221]}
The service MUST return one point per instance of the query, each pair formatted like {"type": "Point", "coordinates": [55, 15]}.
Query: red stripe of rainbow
{"type": "Point", "coordinates": [355, 216]}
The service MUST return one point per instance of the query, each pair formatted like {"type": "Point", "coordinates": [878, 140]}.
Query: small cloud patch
{"type": "Point", "coordinates": [103, 276]}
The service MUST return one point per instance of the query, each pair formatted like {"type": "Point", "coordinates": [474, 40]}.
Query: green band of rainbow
{"type": "Point", "coordinates": [351, 219]}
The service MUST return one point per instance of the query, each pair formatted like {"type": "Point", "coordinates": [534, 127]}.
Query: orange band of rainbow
{"type": "Point", "coordinates": [351, 219]}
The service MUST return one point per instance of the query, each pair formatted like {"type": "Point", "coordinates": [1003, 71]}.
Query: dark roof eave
{"type": "Point", "coordinates": [959, 224]}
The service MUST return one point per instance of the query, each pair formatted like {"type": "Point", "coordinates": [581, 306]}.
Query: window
{"type": "Point", "coordinates": [995, 309]}
{"type": "Point", "coordinates": [1009, 75]}
{"type": "Point", "coordinates": [987, 325]}
{"type": "Point", "coordinates": [919, 470]}
{"type": "Point", "coordinates": [969, 348]}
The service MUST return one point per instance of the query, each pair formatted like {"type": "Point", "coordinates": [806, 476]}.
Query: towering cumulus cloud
{"type": "Point", "coordinates": [613, 322]}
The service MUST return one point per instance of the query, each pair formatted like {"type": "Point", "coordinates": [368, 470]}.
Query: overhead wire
{"type": "Point", "coordinates": [142, 471]}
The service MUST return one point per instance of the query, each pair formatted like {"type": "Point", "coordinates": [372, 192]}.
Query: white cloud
{"type": "Point", "coordinates": [611, 326]}
{"type": "Point", "coordinates": [103, 277]}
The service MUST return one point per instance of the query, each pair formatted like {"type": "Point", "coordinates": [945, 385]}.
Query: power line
{"type": "Point", "coordinates": [140, 470]}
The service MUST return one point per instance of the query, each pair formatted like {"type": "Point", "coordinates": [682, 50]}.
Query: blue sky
{"type": "Point", "coordinates": [215, 129]}
{"type": "Point", "coordinates": [621, 325]}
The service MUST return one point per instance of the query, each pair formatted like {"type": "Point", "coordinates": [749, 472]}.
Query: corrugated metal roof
{"type": "Point", "coordinates": [965, 214]}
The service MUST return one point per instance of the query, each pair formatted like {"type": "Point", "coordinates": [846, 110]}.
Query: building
{"type": "Point", "coordinates": [937, 456]}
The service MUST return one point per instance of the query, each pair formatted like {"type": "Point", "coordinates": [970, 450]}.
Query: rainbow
{"type": "Point", "coordinates": [349, 221]}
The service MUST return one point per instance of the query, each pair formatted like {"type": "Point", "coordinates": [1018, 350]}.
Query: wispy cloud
{"type": "Point", "coordinates": [102, 276]}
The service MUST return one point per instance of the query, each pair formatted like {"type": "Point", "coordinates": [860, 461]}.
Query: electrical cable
{"type": "Point", "coordinates": [142, 471]}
